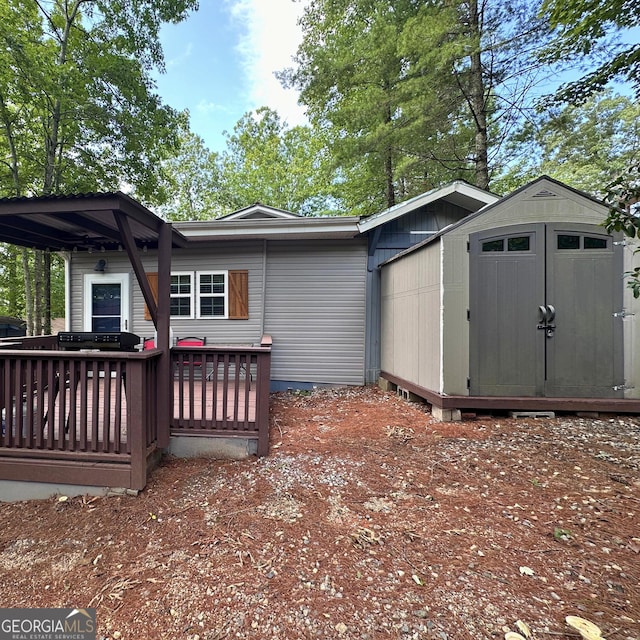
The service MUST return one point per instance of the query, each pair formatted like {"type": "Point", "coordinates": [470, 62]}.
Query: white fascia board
{"type": "Point", "coordinates": [458, 187]}
{"type": "Point", "coordinates": [274, 228]}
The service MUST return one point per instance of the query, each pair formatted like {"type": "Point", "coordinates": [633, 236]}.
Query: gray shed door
{"type": "Point", "coordinates": [542, 305]}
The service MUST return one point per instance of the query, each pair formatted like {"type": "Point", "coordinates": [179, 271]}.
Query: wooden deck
{"type": "Point", "coordinates": [95, 418]}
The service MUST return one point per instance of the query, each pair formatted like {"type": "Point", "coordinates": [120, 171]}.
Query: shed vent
{"type": "Point", "coordinates": [544, 194]}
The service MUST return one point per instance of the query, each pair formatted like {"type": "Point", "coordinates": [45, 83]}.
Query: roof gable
{"type": "Point", "coordinates": [259, 211]}
{"type": "Point", "coordinates": [459, 192]}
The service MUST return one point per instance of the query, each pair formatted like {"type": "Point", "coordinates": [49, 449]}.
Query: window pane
{"type": "Point", "coordinates": [105, 300]}
{"type": "Point", "coordinates": [520, 243]}
{"type": "Point", "coordinates": [180, 307]}
{"type": "Point", "coordinates": [568, 242]}
{"type": "Point", "coordinates": [212, 306]}
{"type": "Point", "coordinates": [493, 245]}
{"type": "Point", "coordinates": [107, 325]}
{"type": "Point", "coordinates": [181, 284]}
{"type": "Point", "coordinates": [212, 283]}
{"type": "Point", "coordinates": [595, 243]}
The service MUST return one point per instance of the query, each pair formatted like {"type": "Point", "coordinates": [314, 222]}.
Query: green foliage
{"type": "Point", "coordinates": [192, 181]}
{"type": "Point", "coordinates": [265, 161]}
{"type": "Point", "coordinates": [623, 197]}
{"type": "Point", "coordinates": [594, 28]}
{"type": "Point", "coordinates": [412, 94]}
{"type": "Point", "coordinates": [585, 146]}
{"type": "Point", "coordinates": [588, 27]}
{"type": "Point", "coordinates": [78, 111]}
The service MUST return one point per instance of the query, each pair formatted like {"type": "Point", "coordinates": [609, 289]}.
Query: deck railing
{"type": "Point", "coordinates": [222, 391]}
{"type": "Point", "coordinates": [85, 418]}
{"type": "Point", "coordinates": [91, 418]}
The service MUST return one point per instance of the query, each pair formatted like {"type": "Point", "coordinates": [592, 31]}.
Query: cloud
{"type": "Point", "coordinates": [207, 107]}
{"type": "Point", "coordinates": [178, 60]}
{"type": "Point", "coordinates": [268, 41]}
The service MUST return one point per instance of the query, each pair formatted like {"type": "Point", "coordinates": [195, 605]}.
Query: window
{"type": "Point", "coordinates": [206, 294]}
{"type": "Point", "coordinates": [514, 243]}
{"type": "Point", "coordinates": [212, 294]}
{"type": "Point", "coordinates": [595, 242]}
{"type": "Point", "coordinates": [493, 245]}
{"type": "Point", "coordinates": [182, 295]}
{"type": "Point", "coordinates": [587, 242]}
{"type": "Point", "coordinates": [519, 243]}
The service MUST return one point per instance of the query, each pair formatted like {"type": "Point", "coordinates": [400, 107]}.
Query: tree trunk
{"type": "Point", "coordinates": [28, 291]}
{"type": "Point", "coordinates": [477, 100]}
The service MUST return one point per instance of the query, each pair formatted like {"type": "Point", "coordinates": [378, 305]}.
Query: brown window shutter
{"type": "Point", "coordinates": [238, 295]}
{"type": "Point", "coordinates": [152, 278]}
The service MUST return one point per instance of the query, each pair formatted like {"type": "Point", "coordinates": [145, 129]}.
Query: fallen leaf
{"type": "Point", "coordinates": [586, 629]}
{"type": "Point", "coordinates": [523, 628]}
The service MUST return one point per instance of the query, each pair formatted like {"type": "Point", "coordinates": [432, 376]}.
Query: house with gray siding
{"type": "Point", "coordinates": [312, 284]}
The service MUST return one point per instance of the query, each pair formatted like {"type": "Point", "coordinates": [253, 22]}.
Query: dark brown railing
{"type": "Point", "coordinates": [222, 391]}
{"type": "Point", "coordinates": [86, 418]}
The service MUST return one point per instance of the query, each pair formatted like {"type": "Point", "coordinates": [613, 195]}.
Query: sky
{"type": "Point", "coordinates": [220, 64]}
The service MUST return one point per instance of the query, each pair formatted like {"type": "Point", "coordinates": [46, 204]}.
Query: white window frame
{"type": "Point", "coordinates": [190, 295]}
{"type": "Point", "coordinates": [224, 295]}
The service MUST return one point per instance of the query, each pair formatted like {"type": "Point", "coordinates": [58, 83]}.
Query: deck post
{"type": "Point", "coordinates": [262, 396]}
{"type": "Point", "coordinates": [137, 403]}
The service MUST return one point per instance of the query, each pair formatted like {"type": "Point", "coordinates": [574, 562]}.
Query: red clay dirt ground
{"type": "Point", "coordinates": [367, 520]}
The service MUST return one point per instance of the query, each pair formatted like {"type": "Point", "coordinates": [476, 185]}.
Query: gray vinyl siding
{"type": "Point", "coordinates": [225, 256]}
{"type": "Point", "coordinates": [315, 311]}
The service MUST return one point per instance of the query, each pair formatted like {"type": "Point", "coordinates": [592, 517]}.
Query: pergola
{"type": "Point", "coordinates": [109, 221]}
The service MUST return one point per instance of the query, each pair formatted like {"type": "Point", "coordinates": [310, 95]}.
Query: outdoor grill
{"type": "Point", "coordinates": [116, 341]}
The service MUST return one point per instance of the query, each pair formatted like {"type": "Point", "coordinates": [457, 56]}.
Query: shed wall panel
{"type": "Point", "coordinates": [411, 318]}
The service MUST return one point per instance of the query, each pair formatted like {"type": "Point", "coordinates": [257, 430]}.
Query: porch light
{"type": "Point", "coordinates": [101, 266]}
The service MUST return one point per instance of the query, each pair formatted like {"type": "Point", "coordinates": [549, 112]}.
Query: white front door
{"type": "Point", "coordinates": [106, 302]}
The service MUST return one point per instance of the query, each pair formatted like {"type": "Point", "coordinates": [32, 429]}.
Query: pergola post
{"type": "Point", "coordinates": [165, 383]}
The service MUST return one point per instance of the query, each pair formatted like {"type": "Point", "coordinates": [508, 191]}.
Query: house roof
{"type": "Point", "coordinates": [459, 192]}
{"type": "Point", "coordinates": [276, 228]}
{"type": "Point", "coordinates": [547, 185]}
{"type": "Point", "coordinates": [81, 222]}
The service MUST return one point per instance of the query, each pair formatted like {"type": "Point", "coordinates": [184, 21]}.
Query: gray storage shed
{"type": "Point", "coordinates": [522, 305]}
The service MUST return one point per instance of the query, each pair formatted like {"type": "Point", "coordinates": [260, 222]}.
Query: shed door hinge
{"type": "Point", "coordinates": [468, 383]}
{"type": "Point", "coordinates": [468, 314]}
{"type": "Point", "coordinates": [468, 246]}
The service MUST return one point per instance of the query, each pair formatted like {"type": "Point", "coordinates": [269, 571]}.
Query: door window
{"type": "Point", "coordinates": [106, 307]}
